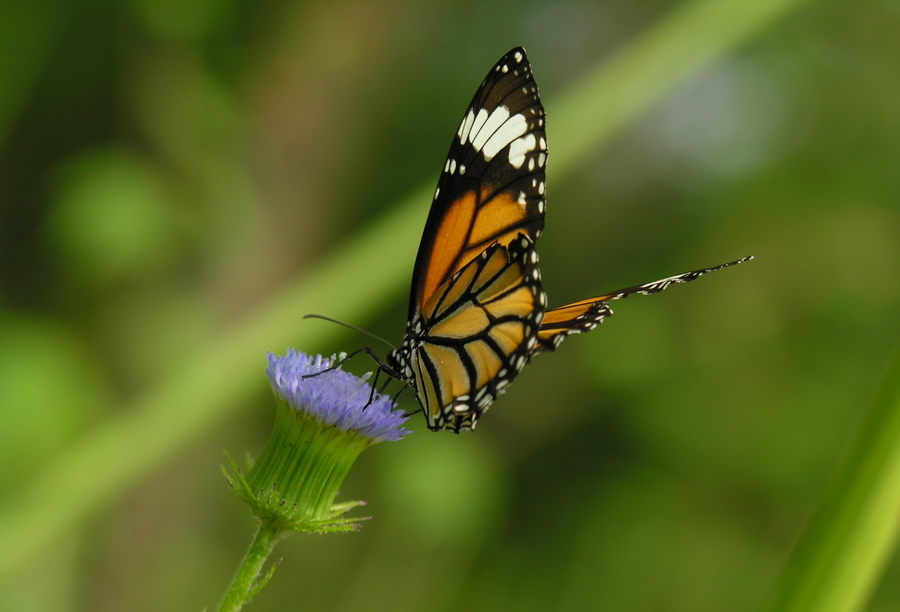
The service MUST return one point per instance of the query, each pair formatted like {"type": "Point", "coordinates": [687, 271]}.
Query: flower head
{"type": "Point", "coordinates": [322, 424]}
{"type": "Point", "coordinates": [336, 397]}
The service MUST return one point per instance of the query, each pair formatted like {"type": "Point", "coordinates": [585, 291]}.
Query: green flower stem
{"type": "Point", "coordinates": [843, 552]}
{"type": "Point", "coordinates": [245, 583]}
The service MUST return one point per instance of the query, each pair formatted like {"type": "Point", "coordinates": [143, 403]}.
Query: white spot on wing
{"type": "Point", "coordinates": [511, 129]}
{"type": "Point", "coordinates": [519, 148]}
{"type": "Point", "coordinates": [488, 127]}
{"type": "Point", "coordinates": [465, 128]}
{"type": "Point", "coordinates": [475, 128]}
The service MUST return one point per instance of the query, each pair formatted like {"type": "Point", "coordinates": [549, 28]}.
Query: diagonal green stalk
{"type": "Point", "coordinates": [841, 555]}
{"type": "Point", "coordinates": [209, 383]}
{"type": "Point", "coordinates": [245, 583]}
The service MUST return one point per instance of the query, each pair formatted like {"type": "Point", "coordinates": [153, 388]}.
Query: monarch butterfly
{"type": "Point", "coordinates": [477, 310]}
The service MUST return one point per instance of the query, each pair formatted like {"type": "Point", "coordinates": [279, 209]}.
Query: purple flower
{"type": "Point", "coordinates": [336, 397]}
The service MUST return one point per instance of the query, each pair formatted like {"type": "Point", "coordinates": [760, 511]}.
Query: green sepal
{"type": "Point", "coordinates": [296, 478]}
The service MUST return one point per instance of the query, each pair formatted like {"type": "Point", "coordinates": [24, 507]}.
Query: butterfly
{"type": "Point", "coordinates": [477, 310]}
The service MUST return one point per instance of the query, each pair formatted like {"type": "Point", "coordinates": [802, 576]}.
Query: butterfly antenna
{"type": "Point", "coordinates": [351, 326]}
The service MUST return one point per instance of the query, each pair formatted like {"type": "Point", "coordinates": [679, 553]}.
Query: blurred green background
{"type": "Point", "coordinates": [181, 182]}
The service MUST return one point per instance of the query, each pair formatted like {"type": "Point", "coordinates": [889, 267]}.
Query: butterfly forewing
{"type": "Point", "coordinates": [583, 316]}
{"type": "Point", "coordinates": [491, 188]}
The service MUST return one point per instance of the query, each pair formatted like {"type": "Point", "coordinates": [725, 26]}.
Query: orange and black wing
{"type": "Point", "coordinates": [476, 301]}
{"type": "Point", "coordinates": [483, 327]}
{"type": "Point", "coordinates": [491, 188]}
{"type": "Point", "coordinates": [585, 315]}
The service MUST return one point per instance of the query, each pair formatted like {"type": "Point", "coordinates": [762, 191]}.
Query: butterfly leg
{"type": "Point", "coordinates": [382, 366]}
{"type": "Point", "coordinates": [409, 414]}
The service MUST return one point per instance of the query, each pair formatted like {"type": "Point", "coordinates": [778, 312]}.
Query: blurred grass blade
{"type": "Point", "coordinates": [615, 93]}
{"type": "Point", "coordinates": [840, 557]}
{"type": "Point", "coordinates": [212, 381]}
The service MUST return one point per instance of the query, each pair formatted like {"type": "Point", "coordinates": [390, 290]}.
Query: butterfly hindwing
{"type": "Point", "coordinates": [484, 327]}
{"type": "Point", "coordinates": [575, 318]}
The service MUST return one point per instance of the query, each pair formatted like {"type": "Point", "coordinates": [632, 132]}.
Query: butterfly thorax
{"type": "Point", "coordinates": [400, 360]}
